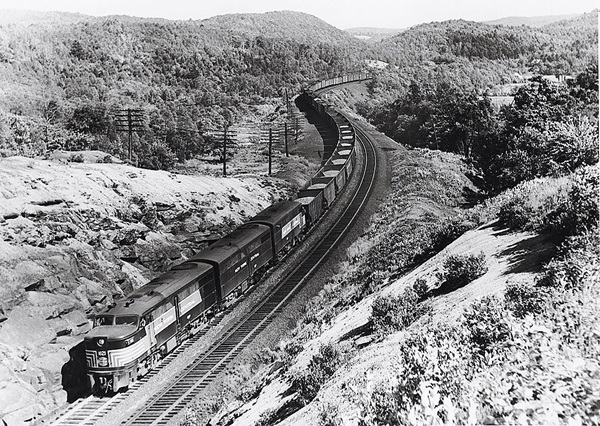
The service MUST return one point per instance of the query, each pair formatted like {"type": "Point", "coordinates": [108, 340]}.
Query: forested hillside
{"type": "Point", "coordinates": [478, 56]}
{"type": "Point", "coordinates": [437, 96]}
{"type": "Point", "coordinates": [63, 79]}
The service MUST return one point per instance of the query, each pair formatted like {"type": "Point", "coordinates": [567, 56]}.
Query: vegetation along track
{"type": "Point", "coordinates": [167, 403]}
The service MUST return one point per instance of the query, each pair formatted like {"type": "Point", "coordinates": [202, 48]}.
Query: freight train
{"type": "Point", "coordinates": [130, 337]}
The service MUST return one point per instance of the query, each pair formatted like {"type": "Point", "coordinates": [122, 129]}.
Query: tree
{"type": "Point", "coordinates": [90, 118]}
{"type": "Point", "coordinates": [77, 50]}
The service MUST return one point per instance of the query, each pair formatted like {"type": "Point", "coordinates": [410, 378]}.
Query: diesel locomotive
{"type": "Point", "coordinates": [130, 337]}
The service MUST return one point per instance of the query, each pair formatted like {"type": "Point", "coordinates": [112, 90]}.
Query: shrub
{"type": "Point", "coordinates": [106, 159]}
{"type": "Point", "coordinates": [76, 158]}
{"type": "Point", "coordinates": [420, 287]}
{"type": "Point", "coordinates": [525, 206]}
{"type": "Point", "coordinates": [319, 370]}
{"type": "Point", "coordinates": [449, 231]}
{"type": "Point", "coordinates": [487, 323]}
{"type": "Point", "coordinates": [523, 299]}
{"type": "Point", "coordinates": [435, 366]}
{"type": "Point", "coordinates": [289, 351]}
{"type": "Point", "coordinates": [580, 211]}
{"type": "Point", "coordinates": [330, 416]}
{"type": "Point", "coordinates": [579, 260]}
{"type": "Point", "coordinates": [267, 418]}
{"type": "Point", "coordinates": [459, 270]}
{"type": "Point", "coordinates": [516, 214]}
{"type": "Point", "coordinates": [393, 313]}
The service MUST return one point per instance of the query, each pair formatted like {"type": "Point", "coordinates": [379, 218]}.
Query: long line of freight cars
{"type": "Point", "coordinates": [130, 337]}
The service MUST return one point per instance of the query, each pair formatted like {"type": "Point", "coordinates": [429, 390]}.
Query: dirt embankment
{"type": "Point", "coordinates": [427, 188]}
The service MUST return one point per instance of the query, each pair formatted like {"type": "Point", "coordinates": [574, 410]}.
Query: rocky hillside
{"type": "Point", "coordinates": [79, 229]}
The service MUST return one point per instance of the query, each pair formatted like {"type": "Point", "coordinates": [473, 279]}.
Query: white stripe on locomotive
{"type": "Point", "coordinates": [123, 356]}
{"type": "Point", "coordinates": [296, 221]}
{"type": "Point", "coordinates": [190, 302]}
{"type": "Point", "coordinates": [164, 320]}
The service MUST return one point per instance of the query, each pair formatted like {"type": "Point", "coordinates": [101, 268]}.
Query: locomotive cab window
{"type": "Point", "coordinates": [127, 320]}
{"type": "Point", "coordinates": [103, 320]}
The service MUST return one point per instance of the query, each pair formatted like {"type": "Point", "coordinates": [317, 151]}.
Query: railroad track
{"type": "Point", "coordinates": [164, 406]}
{"type": "Point", "coordinates": [183, 388]}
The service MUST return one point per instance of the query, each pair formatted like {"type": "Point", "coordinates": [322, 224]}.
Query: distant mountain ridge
{"type": "Point", "coordinates": [285, 24]}
{"type": "Point", "coordinates": [13, 16]}
{"type": "Point", "coordinates": [531, 21]}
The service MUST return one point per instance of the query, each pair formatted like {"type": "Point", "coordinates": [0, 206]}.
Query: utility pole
{"type": "Point", "coordinates": [296, 129]}
{"type": "Point", "coordinates": [130, 120]}
{"type": "Point", "coordinates": [287, 101]}
{"type": "Point", "coordinates": [270, 148]}
{"type": "Point", "coordinates": [285, 136]}
{"type": "Point", "coordinates": [225, 150]}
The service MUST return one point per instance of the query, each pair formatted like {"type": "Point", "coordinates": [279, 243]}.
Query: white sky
{"type": "Point", "coordinates": [340, 13]}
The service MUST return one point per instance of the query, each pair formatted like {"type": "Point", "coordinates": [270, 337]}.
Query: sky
{"type": "Point", "coordinates": [340, 13]}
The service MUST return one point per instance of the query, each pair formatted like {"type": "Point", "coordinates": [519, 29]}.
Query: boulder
{"type": "Point", "coordinates": [19, 403]}
{"type": "Point", "coordinates": [130, 234]}
{"type": "Point", "coordinates": [93, 292]}
{"type": "Point", "coordinates": [50, 305]}
{"type": "Point", "coordinates": [155, 253]}
{"type": "Point", "coordinates": [49, 360]}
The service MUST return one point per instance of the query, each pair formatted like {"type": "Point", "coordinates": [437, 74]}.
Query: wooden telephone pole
{"type": "Point", "coordinates": [130, 120]}
{"type": "Point", "coordinates": [270, 149]}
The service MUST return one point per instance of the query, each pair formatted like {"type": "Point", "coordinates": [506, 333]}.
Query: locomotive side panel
{"type": "Point", "coordinates": [285, 220]}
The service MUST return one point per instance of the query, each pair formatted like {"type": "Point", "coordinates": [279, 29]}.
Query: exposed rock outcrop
{"type": "Point", "coordinates": [74, 237]}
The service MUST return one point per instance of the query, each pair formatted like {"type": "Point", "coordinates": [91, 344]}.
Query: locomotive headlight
{"type": "Point", "coordinates": [102, 361]}
{"type": "Point", "coordinates": [101, 342]}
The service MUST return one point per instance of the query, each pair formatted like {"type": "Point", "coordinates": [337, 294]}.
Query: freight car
{"type": "Point", "coordinates": [130, 337]}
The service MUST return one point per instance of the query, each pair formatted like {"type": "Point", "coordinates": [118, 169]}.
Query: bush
{"type": "Point", "coordinates": [420, 287]}
{"type": "Point", "coordinates": [289, 351]}
{"type": "Point", "coordinates": [393, 313]}
{"type": "Point", "coordinates": [319, 370]}
{"type": "Point", "coordinates": [330, 416]}
{"type": "Point", "coordinates": [449, 231]}
{"type": "Point", "coordinates": [579, 260]}
{"type": "Point", "coordinates": [516, 214]}
{"type": "Point", "coordinates": [580, 211]}
{"type": "Point", "coordinates": [487, 323]}
{"type": "Point", "coordinates": [435, 367]}
{"type": "Point", "coordinates": [525, 206]}
{"type": "Point", "coordinates": [76, 158]}
{"type": "Point", "coordinates": [523, 299]}
{"type": "Point", "coordinates": [459, 270]}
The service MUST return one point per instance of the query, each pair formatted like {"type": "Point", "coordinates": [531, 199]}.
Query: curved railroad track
{"type": "Point", "coordinates": [185, 386]}
{"type": "Point", "coordinates": [161, 408]}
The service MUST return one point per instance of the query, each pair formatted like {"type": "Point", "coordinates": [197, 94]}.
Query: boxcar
{"type": "Point", "coordinates": [327, 185]}
{"type": "Point", "coordinates": [338, 173]}
{"type": "Point", "coordinates": [312, 204]}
